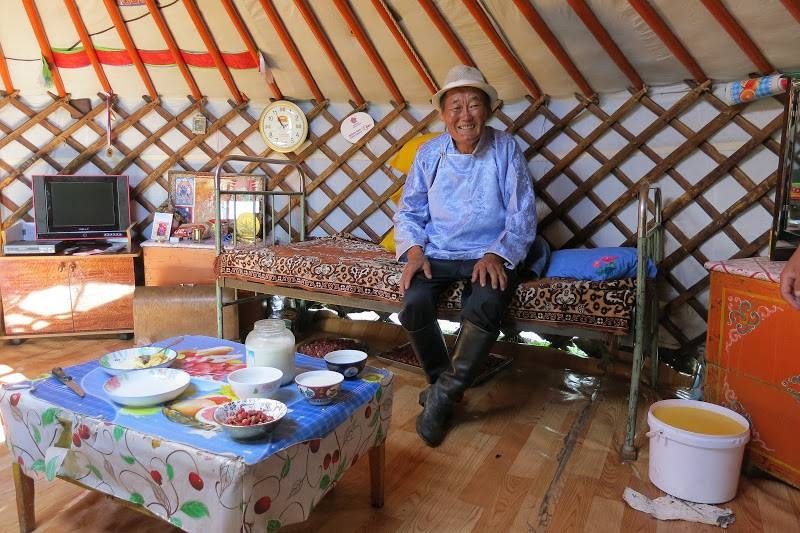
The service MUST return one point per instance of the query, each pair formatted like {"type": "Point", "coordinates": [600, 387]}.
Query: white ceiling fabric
{"type": "Point", "coordinates": [772, 28]}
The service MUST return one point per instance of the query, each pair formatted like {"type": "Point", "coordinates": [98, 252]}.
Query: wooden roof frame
{"type": "Point", "coordinates": [366, 44]}
{"type": "Point", "coordinates": [86, 41]}
{"type": "Point", "coordinates": [322, 38]}
{"type": "Point", "coordinates": [739, 35]}
{"type": "Point", "coordinates": [249, 42]}
{"type": "Point", "coordinates": [44, 45]}
{"type": "Point", "coordinates": [602, 36]}
{"type": "Point", "coordinates": [668, 37]}
{"type": "Point", "coordinates": [202, 28]}
{"type": "Point", "coordinates": [130, 46]}
{"type": "Point", "coordinates": [291, 48]}
{"type": "Point", "coordinates": [513, 61]}
{"type": "Point", "coordinates": [447, 32]}
{"type": "Point", "coordinates": [548, 37]}
{"type": "Point", "coordinates": [404, 43]}
{"type": "Point", "coordinates": [172, 45]}
{"type": "Point", "coordinates": [5, 73]}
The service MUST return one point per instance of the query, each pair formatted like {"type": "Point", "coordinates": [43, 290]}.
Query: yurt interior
{"type": "Point", "coordinates": [191, 190]}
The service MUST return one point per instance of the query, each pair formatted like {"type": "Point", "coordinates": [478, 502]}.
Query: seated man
{"type": "Point", "coordinates": [467, 213]}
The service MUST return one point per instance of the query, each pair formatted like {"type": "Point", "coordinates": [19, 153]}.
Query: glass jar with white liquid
{"type": "Point", "coordinates": [271, 344]}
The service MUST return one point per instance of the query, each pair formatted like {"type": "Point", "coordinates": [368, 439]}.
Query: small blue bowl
{"type": "Point", "coordinates": [348, 363]}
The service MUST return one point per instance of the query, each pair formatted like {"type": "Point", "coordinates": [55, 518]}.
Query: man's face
{"type": "Point", "coordinates": [465, 111]}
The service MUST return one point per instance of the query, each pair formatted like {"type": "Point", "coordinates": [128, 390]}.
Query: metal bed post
{"type": "Point", "coordinates": [643, 312]}
{"type": "Point", "coordinates": [263, 194]}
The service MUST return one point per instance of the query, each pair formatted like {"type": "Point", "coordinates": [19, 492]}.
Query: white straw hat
{"type": "Point", "coordinates": [464, 76]}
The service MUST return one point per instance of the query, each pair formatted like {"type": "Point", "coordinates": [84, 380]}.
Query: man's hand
{"type": "Point", "coordinates": [416, 262]}
{"type": "Point", "coordinates": [490, 266]}
{"type": "Point", "coordinates": [790, 280]}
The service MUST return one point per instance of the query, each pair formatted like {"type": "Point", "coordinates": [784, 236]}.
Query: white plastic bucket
{"type": "Point", "coordinates": [693, 466]}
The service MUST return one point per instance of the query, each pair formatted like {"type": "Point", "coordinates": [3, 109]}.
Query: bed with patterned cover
{"type": "Point", "coordinates": [347, 271]}
{"type": "Point", "coordinates": [366, 276]}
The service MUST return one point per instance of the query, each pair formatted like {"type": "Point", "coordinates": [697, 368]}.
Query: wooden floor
{"type": "Point", "coordinates": [534, 449]}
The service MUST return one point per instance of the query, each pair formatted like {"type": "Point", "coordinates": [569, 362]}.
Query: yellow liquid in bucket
{"type": "Point", "coordinates": [698, 420]}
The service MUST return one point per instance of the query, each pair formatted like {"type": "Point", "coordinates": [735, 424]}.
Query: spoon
{"type": "Point", "coordinates": [145, 358]}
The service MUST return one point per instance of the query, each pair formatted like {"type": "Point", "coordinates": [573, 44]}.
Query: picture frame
{"type": "Point", "coordinates": [192, 193]}
{"type": "Point", "coordinates": [162, 227]}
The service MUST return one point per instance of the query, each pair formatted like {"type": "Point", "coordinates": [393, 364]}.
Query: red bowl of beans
{"type": "Point", "coordinates": [251, 418]}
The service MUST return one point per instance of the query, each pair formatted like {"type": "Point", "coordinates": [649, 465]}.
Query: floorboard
{"type": "Point", "coordinates": [535, 448]}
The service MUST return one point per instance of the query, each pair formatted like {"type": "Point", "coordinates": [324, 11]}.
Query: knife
{"type": "Point", "coordinates": [59, 374]}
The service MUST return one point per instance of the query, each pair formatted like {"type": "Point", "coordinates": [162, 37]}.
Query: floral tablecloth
{"type": "Point", "coordinates": [174, 462]}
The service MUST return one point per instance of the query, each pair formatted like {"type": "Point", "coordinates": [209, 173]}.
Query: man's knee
{"type": "Point", "coordinates": [419, 309]}
{"type": "Point", "coordinates": [486, 307]}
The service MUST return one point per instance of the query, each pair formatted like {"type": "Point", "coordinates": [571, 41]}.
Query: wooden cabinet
{"type": "Point", "coordinates": [753, 363]}
{"type": "Point", "coordinates": [58, 294]}
{"type": "Point", "coordinates": [176, 264]}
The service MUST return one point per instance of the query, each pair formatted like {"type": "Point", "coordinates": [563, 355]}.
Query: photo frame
{"type": "Point", "coordinates": [192, 193]}
{"type": "Point", "coordinates": [162, 227]}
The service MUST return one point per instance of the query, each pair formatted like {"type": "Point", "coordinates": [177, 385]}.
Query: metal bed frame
{"type": "Point", "coordinates": [644, 334]}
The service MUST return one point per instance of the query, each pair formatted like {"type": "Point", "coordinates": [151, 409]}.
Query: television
{"type": "Point", "coordinates": [92, 207]}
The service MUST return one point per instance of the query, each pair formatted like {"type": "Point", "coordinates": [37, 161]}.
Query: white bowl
{"type": "Point", "coordinates": [272, 408]}
{"type": "Point", "coordinates": [349, 363]}
{"type": "Point", "coordinates": [147, 387]}
{"type": "Point", "coordinates": [319, 387]}
{"type": "Point", "coordinates": [255, 381]}
{"type": "Point", "coordinates": [130, 359]}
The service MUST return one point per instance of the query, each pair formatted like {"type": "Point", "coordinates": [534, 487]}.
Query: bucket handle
{"type": "Point", "coordinates": [652, 433]}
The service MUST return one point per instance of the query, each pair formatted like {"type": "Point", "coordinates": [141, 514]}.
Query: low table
{"type": "Point", "coordinates": [172, 462]}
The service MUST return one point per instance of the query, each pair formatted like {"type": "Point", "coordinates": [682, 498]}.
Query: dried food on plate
{"type": "Point", "coordinates": [321, 347]}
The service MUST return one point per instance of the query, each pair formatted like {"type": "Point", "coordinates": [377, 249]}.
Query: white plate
{"type": "Point", "coordinates": [130, 359]}
{"type": "Point", "coordinates": [147, 387]}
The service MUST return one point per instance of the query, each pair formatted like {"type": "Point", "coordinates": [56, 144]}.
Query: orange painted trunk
{"type": "Point", "coordinates": [753, 355]}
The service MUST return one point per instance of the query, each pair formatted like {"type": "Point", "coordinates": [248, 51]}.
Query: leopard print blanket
{"type": "Point", "coordinates": [353, 267]}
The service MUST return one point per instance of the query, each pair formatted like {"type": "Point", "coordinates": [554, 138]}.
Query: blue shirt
{"type": "Point", "coordinates": [461, 206]}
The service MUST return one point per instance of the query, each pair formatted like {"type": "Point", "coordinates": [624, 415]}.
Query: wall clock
{"type": "Point", "coordinates": [283, 126]}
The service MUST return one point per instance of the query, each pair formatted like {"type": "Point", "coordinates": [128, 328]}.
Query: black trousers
{"type": "Point", "coordinates": [483, 306]}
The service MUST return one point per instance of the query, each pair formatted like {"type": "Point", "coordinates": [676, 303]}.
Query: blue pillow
{"type": "Point", "coordinates": [596, 264]}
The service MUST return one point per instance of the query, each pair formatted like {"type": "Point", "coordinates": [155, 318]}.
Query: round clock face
{"type": "Point", "coordinates": [283, 126]}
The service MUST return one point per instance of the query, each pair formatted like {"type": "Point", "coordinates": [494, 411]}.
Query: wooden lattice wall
{"type": "Point", "coordinates": [578, 152]}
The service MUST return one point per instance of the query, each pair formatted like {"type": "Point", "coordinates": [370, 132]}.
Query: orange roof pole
{"type": "Point", "coordinates": [488, 28]}
{"type": "Point", "coordinates": [4, 73]}
{"type": "Point", "coordinates": [244, 33]}
{"type": "Point", "coordinates": [601, 35]}
{"type": "Point", "coordinates": [654, 20]}
{"type": "Point", "coordinates": [401, 39]}
{"type": "Point", "coordinates": [294, 53]}
{"type": "Point", "coordinates": [347, 13]}
{"type": "Point", "coordinates": [736, 31]}
{"type": "Point", "coordinates": [793, 7]}
{"type": "Point", "coordinates": [208, 40]}
{"type": "Point", "coordinates": [451, 38]}
{"type": "Point", "coordinates": [325, 43]}
{"type": "Point", "coordinates": [552, 43]}
{"type": "Point", "coordinates": [44, 45]}
{"type": "Point", "coordinates": [172, 45]}
{"type": "Point", "coordinates": [130, 46]}
{"type": "Point", "coordinates": [77, 21]}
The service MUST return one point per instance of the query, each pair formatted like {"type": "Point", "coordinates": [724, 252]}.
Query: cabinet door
{"type": "Point", "coordinates": [102, 293]}
{"type": "Point", "coordinates": [36, 296]}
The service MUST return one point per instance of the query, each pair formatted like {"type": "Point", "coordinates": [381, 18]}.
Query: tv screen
{"type": "Point", "coordinates": [81, 207]}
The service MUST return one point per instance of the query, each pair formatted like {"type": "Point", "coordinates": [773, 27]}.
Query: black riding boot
{"type": "Point", "coordinates": [431, 351]}
{"type": "Point", "coordinates": [472, 346]}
